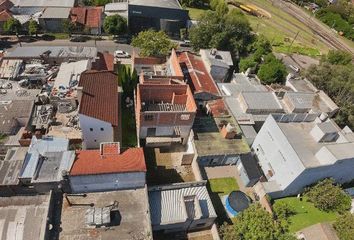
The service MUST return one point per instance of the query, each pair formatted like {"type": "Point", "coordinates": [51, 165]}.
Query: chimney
{"type": "Point", "coordinates": [213, 51]}
{"type": "Point", "coordinates": [109, 148]}
{"type": "Point", "coordinates": [229, 131]}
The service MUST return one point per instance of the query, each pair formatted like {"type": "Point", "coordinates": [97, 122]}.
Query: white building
{"type": "Point", "coordinates": [218, 63]}
{"type": "Point", "coordinates": [294, 153]}
{"type": "Point", "coordinates": [181, 207]}
{"type": "Point", "coordinates": [99, 108]}
{"type": "Point", "coordinates": [108, 168]}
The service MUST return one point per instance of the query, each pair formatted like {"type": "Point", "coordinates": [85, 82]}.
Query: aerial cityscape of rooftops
{"type": "Point", "coordinates": [176, 119]}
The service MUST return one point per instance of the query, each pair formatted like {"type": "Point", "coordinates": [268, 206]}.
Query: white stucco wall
{"type": "Point", "coordinates": [275, 152]}
{"type": "Point", "coordinates": [107, 182]}
{"type": "Point", "coordinates": [92, 139]}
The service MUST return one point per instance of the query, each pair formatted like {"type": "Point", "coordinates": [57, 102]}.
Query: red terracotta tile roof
{"type": "Point", "coordinates": [89, 162]}
{"type": "Point", "coordinates": [105, 61]}
{"type": "Point", "coordinates": [148, 60]}
{"type": "Point", "coordinates": [78, 15]}
{"type": "Point", "coordinates": [100, 96]}
{"type": "Point", "coordinates": [5, 15]}
{"type": "Point", "coordinates": [89, 17]}
{"type": "Point", "coordinates": [93, 17]}
{"type": "Point", "coordinates": [217, 108]}
{"type": "Point", "coordinates": [196, 73]}
{"type": "Point", "coordinates": [5, 5]}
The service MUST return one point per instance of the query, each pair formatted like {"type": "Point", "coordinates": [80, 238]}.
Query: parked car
{"type": "Point", "coordinates": [121, 54]}
{"type": "Point", "coordinates": [122, 39]}
{"type": "Point", "coordinates": [79, 39]}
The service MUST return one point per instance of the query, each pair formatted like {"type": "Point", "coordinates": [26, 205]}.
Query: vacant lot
{"type": "Point", "coordinates": [306, 214]}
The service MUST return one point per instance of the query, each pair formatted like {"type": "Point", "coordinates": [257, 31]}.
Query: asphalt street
{"type": "Point", "coordinates": [102, 45]}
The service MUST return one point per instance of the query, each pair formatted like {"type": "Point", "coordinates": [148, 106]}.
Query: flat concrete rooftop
{"type": "Point", "coordinates": [132, 222]}
{"type": "Point", "coordinates": [209, 141]}
{"type": "Point", "coordinates": [24, 217]}
{"type": "Point", "coordinates": [11, 166]}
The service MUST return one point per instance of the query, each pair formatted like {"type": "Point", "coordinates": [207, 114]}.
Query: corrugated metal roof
{"type": "Point", "coordinates": [40, 147]}
{"type": "Point", "coordinates": [55, 12]}
{"type": "Point", "coordinates": [44, 3]}
{"type": "Point", "coordinates": [167, 205]}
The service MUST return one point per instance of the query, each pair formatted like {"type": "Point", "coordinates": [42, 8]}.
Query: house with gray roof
{"type": "Point", "coordinates": [53, 18]}
{"type": "Point", "coordinates": [44, 3]}
{"type": "Point", "coordinates": [218, 63]}
{"type": "Point", "coordinates": [294, 153]}
{"type": "Point", "coordinates": [14, 114]}
{"type": "Point", "coordinates": [181, 207]}
{"type": "Point", "coordinates": [46, 163]}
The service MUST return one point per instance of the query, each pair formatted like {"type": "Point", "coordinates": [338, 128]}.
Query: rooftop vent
{"type": "Point", "coordinates": [229, 131]}
{"type": "Point", "coordinates": [109, 148]}
{"type": "Point", "coordinates": [213, 51]}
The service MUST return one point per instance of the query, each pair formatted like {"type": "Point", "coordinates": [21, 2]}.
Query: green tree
{"type": "Point", "coordinates": [12, 25]}
{"type": "Point", "coordinates": [337, 57]}
{"type": "Point", "coordinates": [222, 8]}
{"type": "Point", "coordinates": [327, 196]}
{"type": "Point", "coordinates": [344, 226]}
{"type": "Point", "coordinates": [33, 27]}
{"type": "Point", "coordinates": [193, 3]}
{"type": "Point", "coordinates": [272, 70]}
{"type": "Point", "coordinates": [283, 210]}
{"type": "Point", "coordinates": [230, 32]}
{"type": "Point", "coordinates": [248, 62]}
{"type": "Point", "coordinates": [338, 82]}
{"type": "Point", "coordinates": [101, 2]}
{"type": "Point", "coordinates": [115, 25]}
{"type": "Point", "coordinates": [254, 223]}
{"type": "Point", "coordinates": [68, 26]}
{"type": "Point", "coordinates": [152, 43]}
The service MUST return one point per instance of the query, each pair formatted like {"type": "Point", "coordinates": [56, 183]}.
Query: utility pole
{"type": "Point", "coordinates": [293, 40]}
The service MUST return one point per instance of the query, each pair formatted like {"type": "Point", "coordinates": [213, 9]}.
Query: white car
{"type": "Point", "coordinates": [121, 54]}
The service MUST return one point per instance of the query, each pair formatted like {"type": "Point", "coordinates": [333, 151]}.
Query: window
{"type": "Point", "coordinates": [201, 224]}
{"type": "Point", "coordinates": [185, 117]}
{"type": "Point", "coordinates": [102, 129]}
{"type": "Point", "coordinates": [148, 117]}
{"type": "Point", "coordinates": [91, 129]}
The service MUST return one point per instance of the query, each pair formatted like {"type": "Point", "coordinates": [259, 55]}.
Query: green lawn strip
{"type": "Point", "coordinates": [223, 186]}
{"type": "Point", "coordinates": [217, 188]}
{"type": "Point", "coordinates": [59, 35]}
{"type": "Point", "coordinates": [129, 138]}
{"type": "Point", "coordinates": [306, 214]}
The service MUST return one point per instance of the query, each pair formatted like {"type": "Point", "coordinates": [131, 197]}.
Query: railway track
{"type": "Point", "coordinates": [323, 33]}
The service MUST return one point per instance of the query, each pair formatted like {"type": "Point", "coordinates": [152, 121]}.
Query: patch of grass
{"type": "Point", "coordinates": [59, 35]}
{"type": "Point", "coordinates": [217, 188]}
{"type": "Point", "coordinates": [129, 138]}
{"type": "Point", "coordinates": [306, 214]}
{"type": "Point", "coordinates": [223, 186]}
{"type": "Point", "coordinates": [281, 25]}
{"type": "Point", "coordinates": [295, 48]}
{"type": "Point", "coordinates": [195, 13]}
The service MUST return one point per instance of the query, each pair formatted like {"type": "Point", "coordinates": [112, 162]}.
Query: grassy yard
{"type": "Point", "coordinates": [306, 214]}
{"type": "Point", "coordinates": [129, 138]}
{"type": "Point", "coordinates": [223, 186]}
{"type": "Point", "coordinates": [217, 188]}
